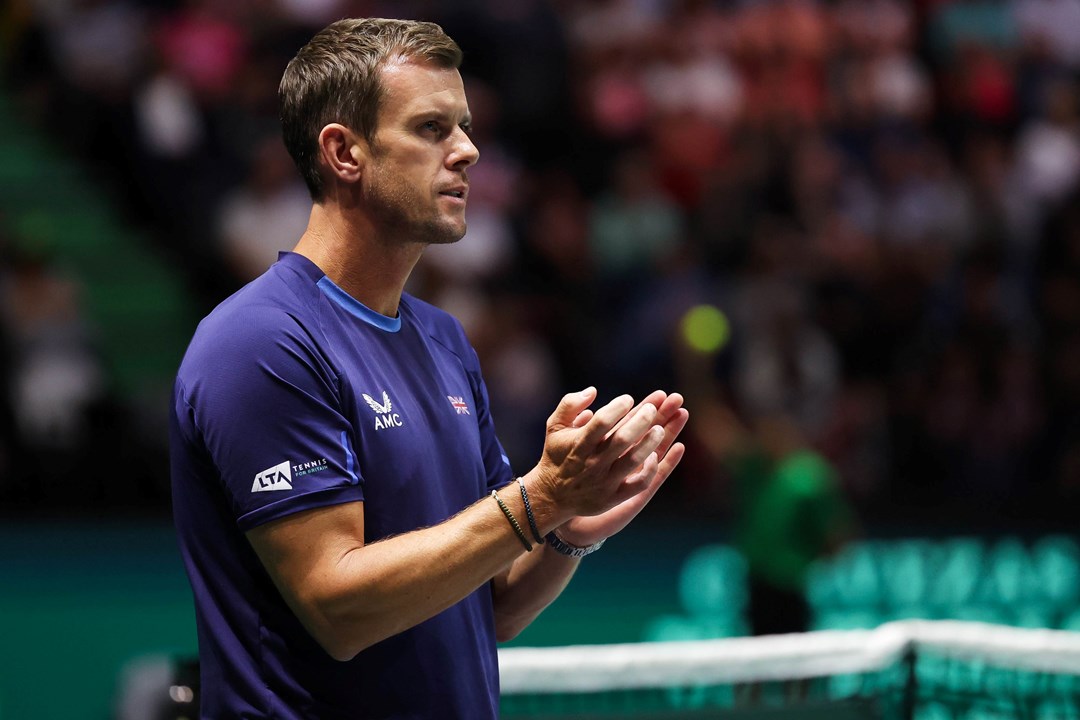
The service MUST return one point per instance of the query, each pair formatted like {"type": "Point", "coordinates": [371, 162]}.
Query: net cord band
{"type": "Point", "coordinates": [596, 668]}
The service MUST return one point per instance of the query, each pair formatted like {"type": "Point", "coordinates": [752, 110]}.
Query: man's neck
{"type": "Point", "coordinates": [371, 270]}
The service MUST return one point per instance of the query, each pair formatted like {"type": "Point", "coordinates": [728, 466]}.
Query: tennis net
{"type": "Point", "coordinates": [914, 669]}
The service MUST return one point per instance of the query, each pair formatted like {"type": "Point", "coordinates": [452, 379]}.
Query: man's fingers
{"type": "Point", "coordinates": [645, 482]}
{"type": "Point", "coordinates": [672, 428]}
{"type": "Point", "coordinates": [666, 408]}
{"type": "Point", "coordinates": [670, 405]}
{"type": "Point", "coordinates": [638, 489]}
{"type": "Point", "coordinates": [647, 479]}
{"type": "Point", "coordinates": [604, 419]}
{"type": "Point", "coordinates": [632, 432]}
{"type": "Point", "coordinates": [643, 476]}
{"type": "Point", "coordinates": [632, 459]}
{"type": "Point", "coordinates": [582, 419]}
{"type": "Point", "coordinates": [656, 398]}
{"type": "Point", "coordinates": [571, 406]}
{"type": "Point", "coordinates": [671, 460]}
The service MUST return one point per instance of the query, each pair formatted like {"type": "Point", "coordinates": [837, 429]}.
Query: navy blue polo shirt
{"type": "Point", "coordinates": [293, 396]}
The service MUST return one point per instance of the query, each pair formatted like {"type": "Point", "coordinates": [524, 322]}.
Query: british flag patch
{"type": "Point", "coordinates": [459, 404]}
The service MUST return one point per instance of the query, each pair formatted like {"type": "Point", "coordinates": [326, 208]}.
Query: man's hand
{"type": "Point", "coordinates": [597, 472]}
{"type": "Point", "coordinates": [602, 468]}
{"type": "Point", "coordinates": [645, 480]}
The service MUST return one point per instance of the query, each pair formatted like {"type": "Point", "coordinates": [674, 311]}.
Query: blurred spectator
{"type": "Point", "coordinates": [167, 116]}
{"type": "Point", "coordinates": [1048, 149]}
{"type": "Point", "coordinates": [783, 362]}
{"type": "Point", "coordinates": [634, 226]}
{"type": "Point", "coordinates": [789, 512]}
{"type": "Point", "coordinates": [98, 44]}
{"type": "Point", "coordinates": [54, 377]}
{"type": "Point", "coordinates": [615, 98]}
{"type": "Point", "coordinates": [55, 372]}
{"type": "Point", "coordinates": [522, 374]}
{"type": "Point", "coordinates": [1051, 23]}
{"type": "Point", "coordinates": [204, 45]}
{"type": "Point", "coordinates": [264, 216]}
{"type": "Point", "coordinates": [955, 24]}
{"type": "Point", "coordinates": [597, 27]}
{"type": "Point", "coordinates": [684, 78]}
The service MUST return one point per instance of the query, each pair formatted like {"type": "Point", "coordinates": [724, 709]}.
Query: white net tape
{"type": "Point", "coordinates": [596, 668]}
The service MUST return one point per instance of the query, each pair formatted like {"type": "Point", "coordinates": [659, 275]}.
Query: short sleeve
{"type": "Point", "coordinates": [262, 400]}
{"type": "Point", "coordinates": [496, 463]}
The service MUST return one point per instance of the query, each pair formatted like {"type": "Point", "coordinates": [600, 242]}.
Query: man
{"type": "Point", "coordinates": [333, 456]}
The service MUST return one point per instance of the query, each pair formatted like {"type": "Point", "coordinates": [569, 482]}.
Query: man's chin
{"type": "Point", "coordinates": [446, 234]}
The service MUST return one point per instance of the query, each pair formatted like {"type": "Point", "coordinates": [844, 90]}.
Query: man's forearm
{"type": "Point", "coordinates": [528, 586]}
{"type": "Point", "coordinates": [354, 595]}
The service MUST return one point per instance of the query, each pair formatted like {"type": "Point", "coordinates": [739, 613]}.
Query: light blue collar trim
{"type": "Point", "coordinates": [356, 308]}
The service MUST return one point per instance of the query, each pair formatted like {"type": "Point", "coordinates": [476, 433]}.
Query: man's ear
{"type": "Point", "coordinates": [343, 153]}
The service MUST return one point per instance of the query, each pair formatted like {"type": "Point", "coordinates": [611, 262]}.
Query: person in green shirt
{"type": "Point", "coordinates": [790, 511]}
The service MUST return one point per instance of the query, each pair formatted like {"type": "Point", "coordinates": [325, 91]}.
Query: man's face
{"type": "Point", "coordinates": [415, 184]}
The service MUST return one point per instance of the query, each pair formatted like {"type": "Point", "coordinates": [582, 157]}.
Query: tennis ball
{"type": "Point", "coordinates": [705, 328]}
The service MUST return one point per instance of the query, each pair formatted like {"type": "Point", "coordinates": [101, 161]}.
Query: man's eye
{"type": "Point", "coordinates": [431, 126]}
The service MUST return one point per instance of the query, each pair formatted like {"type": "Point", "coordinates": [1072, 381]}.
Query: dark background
{"type": "Point", "coordinates": [881, 198]}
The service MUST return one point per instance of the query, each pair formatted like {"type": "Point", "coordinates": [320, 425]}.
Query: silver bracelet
{"type": "Point", "coordinates": [561, 546]}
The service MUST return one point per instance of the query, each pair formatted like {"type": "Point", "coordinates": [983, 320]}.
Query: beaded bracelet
{"type": "Point", "coordinates": [513, 521]}
{"type": "Point", "coordinates": [529, 513]}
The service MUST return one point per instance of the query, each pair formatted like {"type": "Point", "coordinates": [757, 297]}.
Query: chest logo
{"type": "Point", "coordinates": [385, 417]}
{"type": "Point", "coordinates": [458, 403]}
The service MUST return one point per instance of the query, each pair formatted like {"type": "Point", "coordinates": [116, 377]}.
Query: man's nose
{"type": "Point", "coordinates": [464, 152]}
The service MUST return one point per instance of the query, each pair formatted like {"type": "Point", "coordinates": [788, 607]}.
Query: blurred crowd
{"type": "Point", "coordinates": [881, 198]}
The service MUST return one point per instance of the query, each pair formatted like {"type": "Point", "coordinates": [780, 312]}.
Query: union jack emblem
{"type": "Point", "coordinates": [459, 405]}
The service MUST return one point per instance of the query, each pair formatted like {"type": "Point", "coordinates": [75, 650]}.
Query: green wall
{"type": "Point", "coordinates": [79, 600]}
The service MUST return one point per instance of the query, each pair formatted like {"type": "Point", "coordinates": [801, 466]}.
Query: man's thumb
{"type": "Point", "coordinates": [571, 406]}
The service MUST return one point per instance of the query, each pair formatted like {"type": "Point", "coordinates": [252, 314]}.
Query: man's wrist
{"type": "Point", "coordinates": [547, 511]}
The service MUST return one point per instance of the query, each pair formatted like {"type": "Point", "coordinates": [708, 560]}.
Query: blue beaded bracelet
{"type": "Point", "coordinates": [529, 513]}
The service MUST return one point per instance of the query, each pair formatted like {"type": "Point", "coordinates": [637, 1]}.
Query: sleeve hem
{"type": "Point", "coordinates": [294, 504]}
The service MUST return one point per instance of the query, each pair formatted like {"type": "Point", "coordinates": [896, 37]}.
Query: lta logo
{"type": "Point", "coordinates": [278, 477]}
